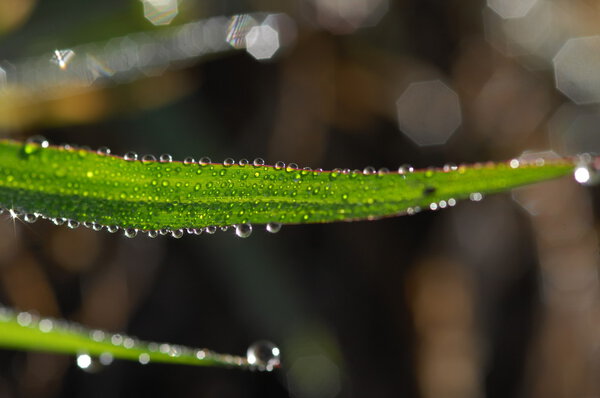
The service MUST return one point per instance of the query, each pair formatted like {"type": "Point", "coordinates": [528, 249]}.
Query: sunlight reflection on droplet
{"type": "Point", "coordinates": [62, 58]}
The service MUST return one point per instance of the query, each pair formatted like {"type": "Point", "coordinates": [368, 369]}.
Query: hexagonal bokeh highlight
{"type": "Point", "coordinates": [238, 28]}
{"type": "Point", "coordinates": [576, 67]}
{"type": "Point", "coordinates": [429, 112]}
{"type": "Point", "coordinates": [511, 8]}
{"type": "Point", "coordinates": [160, 12]}
{"type": "Point", "coordinates": [345, 16]}
{"type": "Point", "coordinates": [262, 42]}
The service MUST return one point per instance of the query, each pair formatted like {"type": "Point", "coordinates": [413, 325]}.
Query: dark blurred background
{"type": "Point", "coordinates": [495, 298]}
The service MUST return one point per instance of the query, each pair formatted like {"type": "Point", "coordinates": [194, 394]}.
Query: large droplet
{"type": "Point", "coordinates": [34, 144]}
{"type": "Point", "coordinates": [273, 227]}
{"type": "Point", "coordinates": [585, 173]}
{"type": "Point", "coordinates": [177, 233]}
{"type": "Point", "coordinates": [148, 158]}
{"type": "Point", "coordinates": [258, 162]}
{"type": "Point", "coordinates": [130, 232]}
{"type": "Point", "coordinates": [166, 158]}
{"type": "Point", "coordinates": [30, 217]}
{"type": "Point", "coordinates": [243, 230]}
{"type": "Point", "coordinates": [204, 161]}
{"type": "Point", "coordinates": [264, 355]}
{"type": "Point", "coordinates": [130, 156]}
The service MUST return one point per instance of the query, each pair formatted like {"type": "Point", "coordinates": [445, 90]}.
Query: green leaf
{"type": "Point", "coordinates": [26, 331]}
{"type": "Point", "coordinates": [104, 190]}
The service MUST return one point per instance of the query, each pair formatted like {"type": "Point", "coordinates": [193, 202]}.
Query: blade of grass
{"type": "Point", "coordinates": [25, 331]}
{"type": "Point", "coordinates": [148, 195]}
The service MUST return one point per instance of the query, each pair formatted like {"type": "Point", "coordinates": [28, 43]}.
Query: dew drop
{"type": "Point", "coordinates": [258, 162]}
{"type": "Point", "coordinates": [273, 227]}
{"type": "Point", "coordinates": [148, 158]}
{"type": "Point", "coordinates": [243, 230]}
{"type": "Point", "coordinates": [197, 231]}
{"type": "Point", "coordinates": [264, 355]}
{"type": "Point", "coordinates": [152, 233]}
{"type": "Point", "coordinates": [383, 171]}
{"type": "Point", "coordinates": [72, 224]}
{"type": "Point", "coordinates": [59, 221]}
{"type": "Point", "coordinates": [291, 167]}
{"type": "Point", "coordinates": [210, 229]}
{"type": "Point", "coordinates": [177, 233]}
{"type": "Point", "coordinates": [204, 161]}
{"type": "Point", "coordinates": [369, 170]}
{"type": "Point", "coordinates": [164, 231]}
{"type": "Point", "coordinates": [514, 163]}
{"type": "Point", "coordinates": [243, 162]}
{"type": "Point", "coordinates": [144, 358]}
{"type": "Point", "coordinates": [88, 364]}
{"type": "Point", "coordinates": [279, 165]}
{"type": "Point", "coordinates": [130, 156]}
{"type": "Point", "coordinates": [165, 158]}
{"type": "Point", "coordinates": [476, 196]}
{"type": "Point", "coordinates": [103, 151]}
{"type": "Point", "coordinates": [30, 218]}
{"type": "Point", "coordinates": [449, 167]}
{"type": "Point", "coordinates": [189, 160]}
{"type": "Point", "coordinates": [228, 162]}
{"type": "Point", "coordinates": [405, 169]}
{"type": "Point", "coordinates": [130, 232]}
{"type": "Point", "coordinates": [112, 228]}
{"type": "Point", "coordinates": [34, 144]}
{"type": "Point", "coordinates": [96, 226]}
{"type": "Point", "coordinates": [224, 228]}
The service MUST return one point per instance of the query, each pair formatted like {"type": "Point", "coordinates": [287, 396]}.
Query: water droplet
{"type": "Point", "coordinates": [369, 170]}
{"type": "Point", "coordinates": [433, 206]}
{"type": "Point", "coordinates": [210, 229]}
{"type": "Point", "coordinates": [144, 358]}
{"type": "Point", "coordinates": [264, 355]}
{"type": "Point", "coordinates": [279, 165]}
{"type": "Point", "coordinates": [382, 171]}
{"type": "Point", "coordinates": [273, 227]}
{"type": "Point", "coordinates": [197, 231]}
{"type": "Point", "coordinates": [177, 233]}
{"type": "Point", "coordinates": [165, 158]}
{"type": "Point", "coordinates": [228, 162]}
{"type": "Point", "coordinates": [224, 228]}
{"type": "Point", "coordinates": [112, 228]}
{"type": "Point", "coordinates": [243, 162]}
{"type": "Point", "coordinates": [30, 218]}
{"type": "Point", "coordinates": [103, 151]}
{"type": "Point", "coordinates": [291, 167]}
{"type": "Point", "coordinates": [96, 226]}
{"type": "Point", "coordinates": [405, 169]}
{"type": "Point", "coordinates": [59, 221]}
{"type": "Point", "coordinates": [88, 364]}
{"type": "Point", "coordinates": [130, 156]}
{"type": "Point", "coordinates": [164, 231]}
{"type": "Point", "coordinates": [205, 160]}
{"type": "Point", "coordinates": [476, 196]}
{"type": "Point", "coordinates": [258, 162]}
{"type": "Point", "coordinates": [148, 158]}
{"type": "Point", "coordinates": [243, 230]}
{"type": "Point", "coordinates": [152, 233]}
{"type": "Point", "coordinates": [72, 224]}
{"type": "Point", "coordinates": [130, 232]}
{"type": "Point", "coordinates": [34, 144]}
{"type": "Point", "coordinates": [514, 163]}
{"type": "Point", "coordinates": [450, 167]}
{"type": "Point", "coordinates": [189, 160]}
